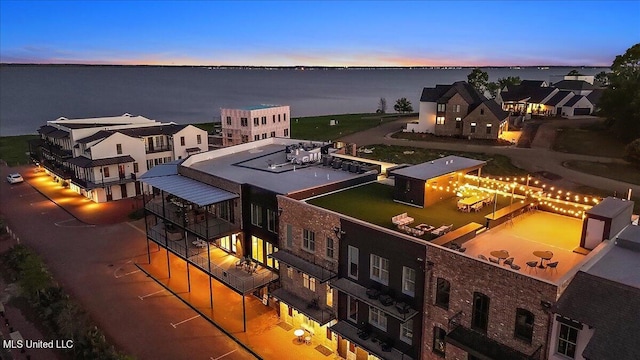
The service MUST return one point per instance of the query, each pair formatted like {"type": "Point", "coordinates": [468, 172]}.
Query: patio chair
{"type": "Point", "coordinates": [509, 261]}
{"type": "Point", "coordinates": [462, 249]}
{"type": "Point", "coordinates": [240, 263]}
{"type": "Point", "coordinates": [553, 265]}
{"type": "Point", "coordinates": [515, 267]}
{"type": "Point", "coordinates": [482, 257]}
{"type": "Point", "coordinates": [532, 264]}
{"type": "Point", "coordinates": [494, 260]}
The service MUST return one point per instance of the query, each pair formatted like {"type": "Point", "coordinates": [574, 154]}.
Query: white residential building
{"type": "Point", "coordinates": [254, 123]}
{"type": "Point", "coordinates": [102, 158]}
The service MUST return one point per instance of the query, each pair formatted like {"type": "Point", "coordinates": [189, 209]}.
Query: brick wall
{"type": "Point", "coordinates": [481, 121]}
{"type": "Point", "coordinates": [449, 126]}
{"type": "Point", "coordinates": [507, 290]}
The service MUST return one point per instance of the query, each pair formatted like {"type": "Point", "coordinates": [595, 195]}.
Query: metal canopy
{"type": "Point", "coordinates": [190, 190]}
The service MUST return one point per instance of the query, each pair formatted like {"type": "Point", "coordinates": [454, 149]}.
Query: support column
{"type": "Point", "coordinates": [244, 316]}
{"type": "Point", "coordinates": [146, 225]}
{"type": "Point", "coordinates": [210, 285]}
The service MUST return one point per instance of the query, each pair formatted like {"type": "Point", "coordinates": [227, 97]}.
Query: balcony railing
{"type": "Point", "coordinates": [87, 184]}
{"type": "Point", "coordinates": [156, 149]}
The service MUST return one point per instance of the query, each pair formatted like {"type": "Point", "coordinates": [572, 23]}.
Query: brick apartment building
{"type": "Point", "coordinates": [253, 123]}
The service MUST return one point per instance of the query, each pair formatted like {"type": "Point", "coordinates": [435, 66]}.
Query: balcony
{"type": "Point", "coordinates": [211, 260]}
{"type": "Point", "coordinates": [197, 220]}
{"type": "Point", "coordinates": [157, 149]}
{"type": "Point", "coordinates": [383, 348]}
{"type": "Point", "coordinates": [483, 347]}
{"type": "Point", "coordinates": [89, 185]}
{"type": "Point", "coordinates": [311, 309]}
{"type": "Point", "coordinates": [391, 306]}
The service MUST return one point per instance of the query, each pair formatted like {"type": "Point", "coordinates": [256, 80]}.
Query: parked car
{"type": "Point", "coordinates": [15, 178]}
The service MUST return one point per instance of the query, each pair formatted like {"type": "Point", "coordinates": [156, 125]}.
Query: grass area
{"type": "Point", "coordinates": [449, 139]}
{"type": "Point", "coordinates": [623, 172]}
{"type": "Point", "coordinates": [374, 203]}
{"type": "Point", "coordinates": [13, 149]}
{"type": "Point", "coordinates": [591, 140]}
{"type": "Point", "coordinates": [318, 128]}
{"type": "Point", "coordinates": [497, 165]}
{"type": "Point", "coordinates": [587, 190]}
{"type": "Point", "coordinates": [209, 127]}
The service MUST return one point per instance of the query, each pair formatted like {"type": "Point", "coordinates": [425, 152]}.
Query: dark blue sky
{"type": "Point", "coordinates": [353, 33]}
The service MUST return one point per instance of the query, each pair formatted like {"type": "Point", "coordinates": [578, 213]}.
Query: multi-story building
{"type": "Point", "coordinates": [459, 110]}
{"type": "Point", "coordinates": [254, 123]}
{"type": "Point", "coordinates": [102, 158]}
{"type": "Point", "coordinates": [375, 261]}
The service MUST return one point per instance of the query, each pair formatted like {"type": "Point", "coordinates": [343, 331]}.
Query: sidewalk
{"type": "Point", "coordinates": [78, 206]}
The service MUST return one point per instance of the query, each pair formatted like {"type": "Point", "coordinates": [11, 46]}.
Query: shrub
{"type": "Point", "coordinates": [632, 151]}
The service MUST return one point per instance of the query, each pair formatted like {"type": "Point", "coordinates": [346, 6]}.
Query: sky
{"type": "Point", "coordinates": [322, 33]}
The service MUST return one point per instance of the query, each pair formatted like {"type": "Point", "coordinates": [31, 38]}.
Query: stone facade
{"type": "Point", "coordinates": [507, 290]}
{"type": "Point", "coordinates": [456, 107]}
{"type": "Point", "coordinates": [482, 116]}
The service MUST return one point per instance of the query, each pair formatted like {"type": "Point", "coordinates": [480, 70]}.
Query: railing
{"type": "Point", "coordinates": [157, 149]}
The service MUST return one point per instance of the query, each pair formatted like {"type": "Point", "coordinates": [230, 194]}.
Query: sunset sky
{"type": "Point", "coordinates": [333, 33]}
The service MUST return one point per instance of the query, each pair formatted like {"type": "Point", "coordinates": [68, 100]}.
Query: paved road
{"type": "Point", "coordinates": [537, 158]}
{"type": "Point", "coordinates": [94, 263]}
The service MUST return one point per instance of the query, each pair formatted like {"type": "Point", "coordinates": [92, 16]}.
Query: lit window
{"type": "Point", "coordinates": [473, 127]}
{"type": "Point", "coordinates": [442, 107]}
{"type": "Point", "coordinates": [458, 123]}
{"type": "Point", "coordinates": [379, 269]}
{"type": "Point", "coordinates": [378, 318]}
{"type": "Point", "coordinates": [289, 272]}
{"type": "Point", "coordinates": [489, 128]}
{"type": "Point", "coordinates": [309, 282]}
{"type": "Point", "coordinates": [440, 120]}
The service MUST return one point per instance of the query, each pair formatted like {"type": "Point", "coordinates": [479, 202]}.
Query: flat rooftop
{"type": "Point", "coordinates": [259, 107]}
{"type": "Point", "coordinates": [264, 164]}
{"type": "Point", "coordinates": [534, 231]}
{"type": "Point", "coordinates": [622, 262]}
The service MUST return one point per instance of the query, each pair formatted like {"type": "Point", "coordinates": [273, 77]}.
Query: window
{"type": "Point", "coordinates": [273, 134]}
{"type": "Point", "coordinates": [442, 107]}
{"type": "Point", "coordinates": [353, 262]}
{"type": "Point", "coordinates": [149, 164]}
{"type": "Point", "coordinates": [225, 211]}
{"type": "Point", "coordinates": [439, 345]}
{"type": "Point", "coordinates": [567, 338]}
{"type": "Point", "coordinates": [329, 248]}
{"type": "Point", "coordinates": [264, 136]}
{"type": "Point", "coordinates": [443, 288]}
{"type": "Point", "coordinates": [244, 122]}
{"type": "Point", "coordinates": [456, 108]}
{"type": "Point", "coordinates": [489, 128]}
{"type": "Point", "coordinates": [278, 117]}
{"type": "Point", "coordinates": [378, 318]}
{"type": "Point", "coordinates": [182, 140]}
{"type": "Point", "coordinates": [230, 135]}
{"type": "Point", "coordinates": [286, 132]}
{"type": "Point", "coordinates": [289, 236]}
{"type": "Point", "coordinates": [308, 240]}
{"type": "Point", "coordinates": [406, 332]}
{"type": "Point", "coordinates": [105, 172]}
{"type": "Point", "coordinates": [245, 138]}
{"type": "Point", "coordinates": [408, 281]}
{"type": "Point", "coordinates": [228, 120]}
{"type": "Point", "coordinates": [199, 139]}
{"type": "Point", "coordinates": [135, 167]}
{"type": "Point", "coordinates": [119, 149]}
{"type": "Point", "coordinates": [482, 111]}
{"type": "Point", "coordinates": [264, 120]}
{"type": "Point", "coordinates": [271, 220]}
{"type": "Point", "coordinates": [353, 309]}
{"type": "Point", "coordinates": [274, 118]}
{"type": "Point", "coordinates": [379, 269]}
{"type": "Point", "coordinates": [473, 128]}
{"type": "Point", "coordinates": [256, 121]}
{"type": "Point", "coordinates": [524, 325]}
{"type": "Point", "coordinates": [458, 123]}
{"type": "Point", "coordinates": [256, 215]}
{"type": "Point", "coordinates": [256, 137]}
{"type": "Point", "coordinates": [329, 296]}
{"type": "Point", "coordinates": [309, 282]}
{"type": "Point", "coordinates": [440, 120]}
{"type": "Point", "coordinates": [284, 116]}
{"type": "Point", "coordinates": [480, 316]}
{"type": "Point", "coordinates": [289, 272]}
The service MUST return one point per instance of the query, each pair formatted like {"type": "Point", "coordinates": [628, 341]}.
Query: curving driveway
{"type": "Point", "coordinates": [537, 158]}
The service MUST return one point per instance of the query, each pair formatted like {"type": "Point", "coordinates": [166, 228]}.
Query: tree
{"type": "Point", "coordinates": [403, 106]}
{"type": "Point", "coordinates": [509, 80]}
{"type": "Point", "coordinates": [602, 77]}
{"type": "Point", "coordinates": [493, 88]}
{"type": "Point", "coordinates": [574, 72]}
{"type": "Point", "coordinates": [382, 106]}
{"type": "Point", "coordinates": [478, 79]}
{"type": "Point", "coordinates": [632, 151]}
{"type": "Point", "coordinates": [620, 102]}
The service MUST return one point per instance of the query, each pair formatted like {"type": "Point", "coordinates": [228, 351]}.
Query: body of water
{"type": "Point", "coordinates": [32, 95]}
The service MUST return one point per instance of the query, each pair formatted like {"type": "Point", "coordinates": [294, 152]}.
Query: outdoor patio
{"type": "Point", "coordinates": [533, 231]}
{"type": "Point", "coordinates": [374, 203]}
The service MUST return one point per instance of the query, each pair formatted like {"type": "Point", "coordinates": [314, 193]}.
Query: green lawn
{"type": "Point", "coordinates": [449, 139]}
{"type": "Point", "coordinates": [318, 128]}
{"type": "Point", "coordinates": [497, 165]}
{"type": "Point", "coordinates": [623, 172]}
{"type": "Point", "coordinates": [591, 140]}
{"type": "Point", "coordinates": [208, 127]}
{"type": "Point", "coordinates": [13, 149]}
{"type": "Point", "coordinates": [374, 203]}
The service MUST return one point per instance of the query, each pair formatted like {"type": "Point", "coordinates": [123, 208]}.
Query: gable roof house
{"type": "Point", "coordinates": [456, 110]}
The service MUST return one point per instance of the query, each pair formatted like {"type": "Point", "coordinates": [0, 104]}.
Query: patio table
{"type": "Point", "coordinates": [468, 202]}
{"type": "Point", "coordinates": [543, 255]}
{"type": "Point", "coordinates": [500, 254]}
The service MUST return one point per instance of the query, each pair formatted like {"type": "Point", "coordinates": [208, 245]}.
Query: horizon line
{"type": "Point", "coordinates": [304, 66]}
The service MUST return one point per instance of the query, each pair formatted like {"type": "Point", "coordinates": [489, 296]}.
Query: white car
{"type": "Point", "coordinates": [15, 178]}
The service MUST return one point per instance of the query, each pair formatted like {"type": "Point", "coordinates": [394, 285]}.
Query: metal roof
{"type": "Point", "coordinates": [438, 167]}
{"type": "Point", "coordinates": [85, 162]}
{"type": "Point", "coordinates": [189, 189]}
{"type": "Point", "coordinates": [610, 207]}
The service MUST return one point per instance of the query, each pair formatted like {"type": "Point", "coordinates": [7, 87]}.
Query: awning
{"type": "Point", "coordinates": [58, 134]}
{"type": "Point", "coordinates": [189, 189]}
{"type": "Point", "coordinates": [313, 311]}
{"type": "Point", "coordinates": [193, 149]}
{"type": "Point", "coordinates": [482, 347]}
{"type": "Point", "coordinates": [84, 162]}
{"type": "Point", "coordinates": [306, 267]}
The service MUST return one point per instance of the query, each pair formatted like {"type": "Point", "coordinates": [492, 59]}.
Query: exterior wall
{"type": "Point", "coordinates": [506, 289]}
{"type": "Point", "coordinates": [450, 115]}
{"type": "Point", "coordinates": [190, 134]}
{"type": "Point", "coordinates": [481, 121]}
{"type": "Point", "coordinates": [237, 131]}
{"type": "Point", "coordinates": [582, 103]}
{"type": "Point", "coordinates": [433, 193]}
{"type": "Point", "coordinates": [426, 119]}
{"type": "Point", "coordinates": [409, 190]}
{"type": "Point", "coordinates": [584, 335]}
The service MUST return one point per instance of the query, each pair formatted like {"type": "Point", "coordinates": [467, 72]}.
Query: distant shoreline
{"type": "Point", "coordinates": [305, 67]}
